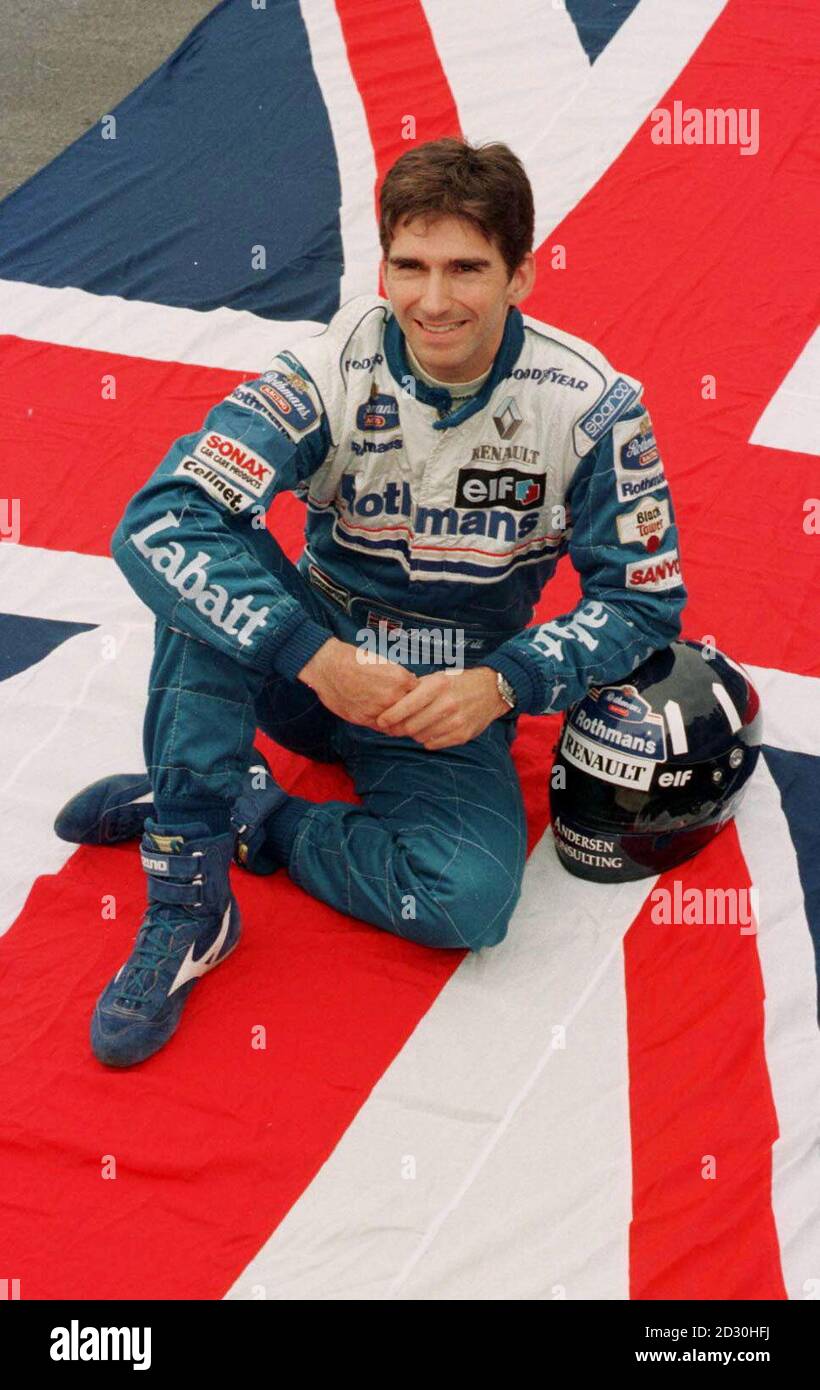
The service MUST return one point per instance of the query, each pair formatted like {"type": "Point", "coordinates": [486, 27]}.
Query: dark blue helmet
{"type": "Point", "coordinates": [649, 770]}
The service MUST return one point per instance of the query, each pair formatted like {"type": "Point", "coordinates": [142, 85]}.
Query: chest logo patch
{"type": "Point", "coordinates": [378, 412]}
{"type": "Point", "coordinates": [483, 487]}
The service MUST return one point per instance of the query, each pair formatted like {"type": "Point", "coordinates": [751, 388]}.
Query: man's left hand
{"type": "Point", "coordinates": [446, 708]}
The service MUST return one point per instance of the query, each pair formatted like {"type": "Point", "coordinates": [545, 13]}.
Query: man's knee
{"type": "Point", "coordinates": [466, 902]}
{"type": "Point", "coordinates": [295, 718]}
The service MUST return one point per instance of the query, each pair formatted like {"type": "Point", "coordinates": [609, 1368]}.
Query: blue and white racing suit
{"type": "Point", "coordinates": [422, 519]}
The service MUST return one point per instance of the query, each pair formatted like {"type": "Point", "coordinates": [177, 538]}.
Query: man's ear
{"type": "Point", "coordinates": [523, 279]}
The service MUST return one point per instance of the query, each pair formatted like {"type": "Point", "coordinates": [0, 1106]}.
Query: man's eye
{"type": "Point", "coordinates": [459, 266]}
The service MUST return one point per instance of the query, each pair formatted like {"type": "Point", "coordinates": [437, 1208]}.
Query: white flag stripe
{"type": "Point", "coordinates": [791, 420]}
{"type": "Point", "coordinates": [544, 1211]}
{"type": "Point", "coordinates": [68, 586]}
{"type": "Point", "coordinates": [72, 717]}
{"type": "Point", "coordinates": [520, 1146]}
{"type": "Point", "coordinates": [354, 149]}
{"type": "Point", "coordinates": [528, 53]}
{"type": "Point", "coordinates": [792, 1038]}
{"type": "Point", "coordinates": [791, 708]}
{"type": "Point", "coordinates": [230, 338]}
{"type": "Point", "coordinates": [566, 120]}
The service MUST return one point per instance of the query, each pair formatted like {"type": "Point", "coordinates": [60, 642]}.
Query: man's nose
{"type": "Point", "coordinates": [435, 299]}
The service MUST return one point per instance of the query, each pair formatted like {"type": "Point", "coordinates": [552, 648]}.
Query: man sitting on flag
{"type": "Point", "coordinates": [450, 450]}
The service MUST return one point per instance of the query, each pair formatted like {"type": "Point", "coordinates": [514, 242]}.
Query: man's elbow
{"type": "Point", "coordinates": [654, 618]}
{"type": "Point", "coordinates": [660, 615]}
{"type": "Point", "coordinates": [147, 522]}
{"type": "Point", "coordinates": [128, 524]}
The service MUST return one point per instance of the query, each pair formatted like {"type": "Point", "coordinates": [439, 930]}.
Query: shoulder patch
{"type": "Point", "coordinates": [611, 406]}
{"type": "Point", "coordinates": [290, 396]}
{"type": "Point", "coordinates": [250, 399]}
{"type": "Point", "coordinates": [638, 466]}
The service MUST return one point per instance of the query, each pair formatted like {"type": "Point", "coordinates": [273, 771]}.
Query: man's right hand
{"type": "Point", "coordinates": [356, 684]}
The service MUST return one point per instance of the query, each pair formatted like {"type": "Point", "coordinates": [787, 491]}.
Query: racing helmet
{"type": "Point", "coordinates": [653, 766]}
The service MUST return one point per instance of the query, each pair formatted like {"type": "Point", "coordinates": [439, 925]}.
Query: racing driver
{"type": "Point", "coordinates": [450, 450]}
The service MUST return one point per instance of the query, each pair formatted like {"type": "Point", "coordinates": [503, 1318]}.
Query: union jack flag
{"type": "Point", "coordinates": [604, 1107]}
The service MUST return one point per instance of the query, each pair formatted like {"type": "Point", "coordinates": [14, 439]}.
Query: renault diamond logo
{"type": "Point", "coordinates": [507, 418]}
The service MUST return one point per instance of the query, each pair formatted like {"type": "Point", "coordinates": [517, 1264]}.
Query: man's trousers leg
{"type": "Point", "coordinates": [201, 720]}
{"type": "Point", "coordinates": [201, 716]}
{"type": "Point", "coordinates": [435, 854]}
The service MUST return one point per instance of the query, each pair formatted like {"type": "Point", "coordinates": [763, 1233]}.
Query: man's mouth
{"type": "Point", "coordinates": [440, 329]}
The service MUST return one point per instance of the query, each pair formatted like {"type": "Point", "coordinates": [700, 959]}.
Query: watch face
{"type": "Point", "coordinates": [505, 690]}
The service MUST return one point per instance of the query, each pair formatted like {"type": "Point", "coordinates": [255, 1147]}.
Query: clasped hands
{"type": "Point", "coordinates": [438, 711]}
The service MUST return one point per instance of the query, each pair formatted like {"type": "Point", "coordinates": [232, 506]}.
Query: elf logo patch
{"type": "Point", "coordinates": [482, 487]}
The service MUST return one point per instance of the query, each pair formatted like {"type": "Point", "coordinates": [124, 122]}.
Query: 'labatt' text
{"type": "Point", "coordinates": [190, 579]}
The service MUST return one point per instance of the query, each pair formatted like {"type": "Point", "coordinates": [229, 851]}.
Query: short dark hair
{"type": "Point", "coordinates": [486, 185]}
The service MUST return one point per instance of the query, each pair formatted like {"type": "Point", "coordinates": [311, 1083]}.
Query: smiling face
{"type": "Point", "coordinates": [443, 274]}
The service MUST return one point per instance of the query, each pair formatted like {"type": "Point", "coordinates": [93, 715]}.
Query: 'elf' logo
{"type": "Point", "coordinates": [506, 487]}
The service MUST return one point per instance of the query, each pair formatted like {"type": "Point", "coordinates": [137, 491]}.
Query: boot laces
{"type": "Point", "coordinates": [155, 944]}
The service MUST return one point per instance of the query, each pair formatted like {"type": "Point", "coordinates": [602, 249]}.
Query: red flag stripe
{"type": "Point", "coordinates": [701, 1111]}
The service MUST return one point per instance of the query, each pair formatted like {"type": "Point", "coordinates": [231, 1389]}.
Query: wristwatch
{"type": "Point", "coordinates": [505, 690]}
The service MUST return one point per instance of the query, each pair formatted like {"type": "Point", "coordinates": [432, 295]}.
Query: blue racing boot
{"type": "Point", "coordinates": [192, 923]}
{"type": "Point", "coordinates": [116, 808]}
